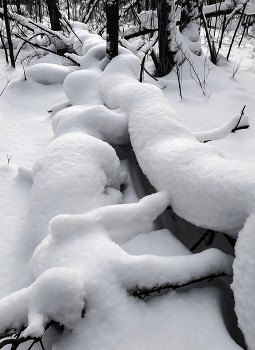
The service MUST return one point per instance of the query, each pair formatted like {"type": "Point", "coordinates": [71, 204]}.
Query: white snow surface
{"type": "Point", "coordinates": [97, 120]}
{"type": "Point", "coordinates": [76, 220]}
{"type": "Point", "coordinates": [48, 73]}
{"type": "Point", "coordinates": [243, 282]}
{"type": "Point", "coordinates": [173, 159]}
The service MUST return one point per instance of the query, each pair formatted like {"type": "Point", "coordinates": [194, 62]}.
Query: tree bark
{"type": "Point", "coordinates": [17, 2]}
{"type": "Point", "coordinates": [54, 14]}
{"type": "Point", "coordinates": [112, 28]}
{"type": "Point", "coordinates": [8, 33]}
{"type": "Point", "coordinates": [166, 36]}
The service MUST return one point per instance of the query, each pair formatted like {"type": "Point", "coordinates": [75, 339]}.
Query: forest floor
{"type": "Point", "coordinates": [26, 131]}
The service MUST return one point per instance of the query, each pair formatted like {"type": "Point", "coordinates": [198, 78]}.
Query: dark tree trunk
{"type": "Point", "coordinates": [54, 14]}
{"type": "Point", "coordinates": [154, 4]}
{"type": "Point", "coordinates": [165, 36]}
{"type": "Point", "coordinates": [8, 33]}
{"type": "Point", "coordinates": [68, 10]}
{"type": "Point", "coordinates": [18, 6]}
{"type": "Point", "coordinates": [112, 27]}
{"type": "Point", "coordinates": [139, 6]}
{"type": "Point", "coordinates": [4, 47]}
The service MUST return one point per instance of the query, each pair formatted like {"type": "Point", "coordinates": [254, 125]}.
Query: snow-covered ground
{"type": "Point", "coordinates": [74, 235]}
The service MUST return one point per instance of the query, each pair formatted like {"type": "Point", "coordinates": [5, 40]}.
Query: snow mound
{"type": "Point", "coordinates": [243, 281]}
{"type": "Point", "coordinates": [48, 73]}
{"type": "Point", "coordinates": [76, 173]}
{"type": "Point", "coordinates": [83, 87]}
{"type": "Point", "coordinates": [205, 188]}
{"type": "Point", "coordinates": [58, 295]}
{"type": "Point", "coordinates": [98, 121]}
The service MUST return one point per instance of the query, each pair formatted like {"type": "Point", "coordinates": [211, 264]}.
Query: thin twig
{"type": "Point", "coordinates": [141, 293]}
{"type": "Point", "coordinates": [237, 127]}
{"type": "Point", "coordinates": [8, 81]}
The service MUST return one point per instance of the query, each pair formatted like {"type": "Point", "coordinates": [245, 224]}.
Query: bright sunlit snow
{"type": "Point", "coordinates": [94, 168]}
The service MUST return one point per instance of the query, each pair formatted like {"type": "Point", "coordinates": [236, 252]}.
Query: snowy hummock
{"type": "Point", "coordinates": [76, 173]}
{"type": "Point", "coordinates": [69, 263]}
{"type": "Point", "coordinates": [79, 257]}
{"type": "Point", "coordinates": [243, 281]}
{"type": "Point", "coordinates": [97, 120]}
{"type": "Point", "coordinates": [48, 73]}
{"type": "Point", "coordinates": [173, 159]}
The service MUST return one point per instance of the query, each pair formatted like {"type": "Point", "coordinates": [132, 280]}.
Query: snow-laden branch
{"type": "Point", "coordinates": [68, 263]}
{"type": "Point", "coordinates": [76, 191]}
{"type": "Point", "coordinates": [236, 123]}
{"type": "Point", "coordinates": [204, 187]}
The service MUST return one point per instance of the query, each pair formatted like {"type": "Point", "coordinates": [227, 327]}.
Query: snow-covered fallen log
{"type": "Point", "coordinates": [68, 263]}
{"type": "Point", "coordinates": [81, 257]}
{"type": "Point", "coordinates": [205, 188]}
{"type": "Point", "coordinates": [198, 178]}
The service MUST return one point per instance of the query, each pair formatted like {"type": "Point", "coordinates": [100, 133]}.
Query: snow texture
{"type": "Point", "coordinates": [205, 188]}
{"type": "Point", "coordinates": [97, 120]}
{"type": "Point", "coordinates": [67, 266]}
{"type": "Point", "coordinates": [243, 281]}
{"type": "Point", "coordinates": [48, 73]}
{"type": "Point", "coordinates": [77, 220]}
{"type": "Point", "coordinates": [76, 173]}
{"type": "Point", "coordinates": [222, 131]}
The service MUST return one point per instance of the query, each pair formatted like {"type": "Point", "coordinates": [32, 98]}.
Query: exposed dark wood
{"type": "Point", "coordinates": [112, 28]}
{"type": "Point", "coordinates": [54, 14]}
{"type": "Point", "coordinates": [139, 32]}
{"type": "Point", "coordinates": [8, 33]}
{"type": "Point", "coordinates": [166, 57]}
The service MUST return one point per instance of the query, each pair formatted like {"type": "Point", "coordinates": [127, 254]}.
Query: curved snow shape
{"type": "Point", "coordinates": [86, 242]}
{"type": "Point", "coordinates": [58, 294]}
{"type": "Point", "coordinates": [243, 281]}
{"type": "Point", "coordinates": [83, 87]}
{"type": "Point", "coordinates": [59, 107]}
{"type": "Point", "coordinates": [205, 188]}
{"type": "Point", "coordinates": [76, 173]}
{"type": "Point", "coordinates": [98, 121]}
{"type": "Point", "coordinates": [49, 73]}
{"type": "Point", "coordinates": [223, 130]}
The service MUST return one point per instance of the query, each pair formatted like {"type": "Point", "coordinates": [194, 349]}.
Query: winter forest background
{"type": "Point", "coordinates": [127, 175]}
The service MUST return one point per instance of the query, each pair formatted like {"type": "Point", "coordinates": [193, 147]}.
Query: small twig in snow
{"type": "Point", "coordinates": [141, 293]}
{"type": "Point", "coordinates": [240, 127]}
{"type": "Point", "coordinates": [9, 158]}
{"type": "Point", "coordinates": [8, 81]}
